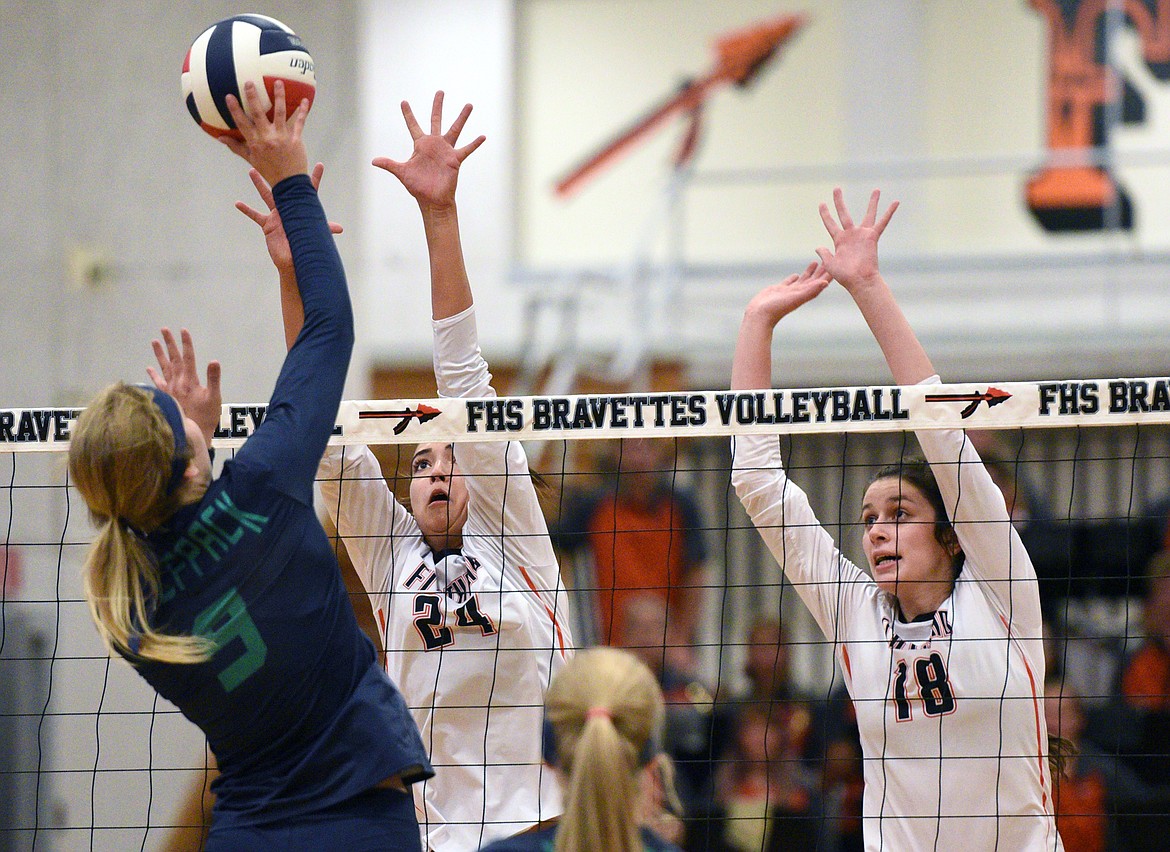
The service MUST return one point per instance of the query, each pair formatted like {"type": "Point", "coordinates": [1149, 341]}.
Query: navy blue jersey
{"type": "Point", "coordinates": [293, 702]}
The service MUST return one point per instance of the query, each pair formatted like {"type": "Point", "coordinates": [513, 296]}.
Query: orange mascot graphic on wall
{"type": "Point", "coordinates": [1076, 191]}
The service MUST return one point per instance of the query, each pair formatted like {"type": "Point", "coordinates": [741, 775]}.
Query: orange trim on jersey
{"type": "Point", "coordinates": [845, 659]}
{"type": "Point", "coordinates": [380, 615]}
{"type": "Point", "coordinates": [1036, 711]}
{"type": "Point", "coordinates": [552, 615]}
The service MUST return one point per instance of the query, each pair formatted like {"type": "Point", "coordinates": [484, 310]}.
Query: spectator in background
{"type": "Point", "coordinates": [1094, 786]}
{"type": "Point", "coordinates": [765, 791]}
{"type": "Point", "coordinates": [687, 735]}
{"type": "Point", "coordinates": [1145, 679]}
{"type": "Point", "coordinates": [766, 662]}
{"type": "Point", "coordinates": [770, 686]}
{"type": "Point", "coordinates": [818, 735]}
{"type": "Point", "coordinates": [643, 534]}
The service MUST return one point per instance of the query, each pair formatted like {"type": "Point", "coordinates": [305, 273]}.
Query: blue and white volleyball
{"type": "Point", "coordinates": [237, 49]}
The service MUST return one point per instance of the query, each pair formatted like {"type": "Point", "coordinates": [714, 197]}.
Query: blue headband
{"type": "Point", "coordinates": [170, 409]}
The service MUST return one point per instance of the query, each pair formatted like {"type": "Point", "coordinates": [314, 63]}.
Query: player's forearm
{"type": "Point", "coordinates": [752, 366]}
{"type": "Point", "coordinates": [292, 310]}
{"type": "Point", "coordinates": [450, 288]}
{"type": "Point", "coordinates": [908, 361]}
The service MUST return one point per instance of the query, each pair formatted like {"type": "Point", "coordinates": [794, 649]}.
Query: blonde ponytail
{"type": "Point", "coordinates": [605, 710]}
{"type": "Point", "coordinates": [120, 460]}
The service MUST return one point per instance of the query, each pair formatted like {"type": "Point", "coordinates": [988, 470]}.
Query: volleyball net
{"type": "Point", "coordinates": [91, 758]}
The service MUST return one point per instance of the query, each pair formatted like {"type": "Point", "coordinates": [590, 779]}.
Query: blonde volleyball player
{"type": "Point", "coordinates": [940, 643]}
{"type": "Point", "coordinates": [604, 719]}
{"type": "Point", "coordinates": [224, 593]}
{"type": "Point", "coordinates": [465, 586]}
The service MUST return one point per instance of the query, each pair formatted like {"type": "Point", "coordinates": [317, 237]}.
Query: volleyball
{"type": "Point", "coordinates": [235, 50]}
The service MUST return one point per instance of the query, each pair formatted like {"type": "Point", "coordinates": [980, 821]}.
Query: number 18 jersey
{"type": "Point", "coordinates": [949, 710]}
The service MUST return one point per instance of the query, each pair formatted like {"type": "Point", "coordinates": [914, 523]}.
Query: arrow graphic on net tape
{"type": "Point", "coordinates": [422, 414]}
{"type": "Point", "coordinates": [993, 397]}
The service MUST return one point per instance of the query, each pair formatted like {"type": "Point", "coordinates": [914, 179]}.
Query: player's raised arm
{"type": "Point", "coordinates": [430, 176]}
{"type": "Point", "coordinates": [291, 309]}
{"type": "Point", "coordinates": [752, 367]}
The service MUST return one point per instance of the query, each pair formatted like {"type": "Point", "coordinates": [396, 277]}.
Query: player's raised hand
{"type": "Point", "coordinates": [274, 148]}
{"type": "Point", "coordinates": [178, 375]}
{"type": "Point", "coordinates": [432, 172]}
{"type": "Point", "coordinates": [269, 222]}
{"type": "Point", "coordinates": [776, 301]}
{"type": "Point", "coordinates": [853, 260]}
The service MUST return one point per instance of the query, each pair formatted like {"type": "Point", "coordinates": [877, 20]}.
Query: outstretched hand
{"type": "Point", "coordinates": [853, 259]}
{"type": "Point", "coordinates": [274, 148]}
{"type": "Point", "coordinates": [177, 375]}
{"type": "Point", "coordinates": [777, 301]}
{"type": "Point", "coordinates": [270, 223]}
{"type": "Point", "coordinates": [432, 172]}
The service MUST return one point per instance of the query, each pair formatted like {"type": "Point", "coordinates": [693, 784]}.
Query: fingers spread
{"type": "Point", "coordinates": [252, 213]}
{"type": "Point", "coordinates": [279, 107]}
{"type": "Point", "coordinates": [830, 223]}
{"type": "Point", "coordinates": [164, 364]}
{"type": "Point", "coordinates": [885, 220]}
{"type": "Point", "coordinates": [263, 188]}
{"type": "Point", "coordinates": [236, 110]}
{"type": "Point", "coordinates": [437, 114]}
{"type": "Point", "coordinates": [188, 348]}
{"type": "Point", "coordinates": [842, 211]}
{"type": "Point", "coordinates": [172, 346]}
{"type": "Point", "coordinates": [298, 119]}
{"type": "Point", "coordinates": [392, 166]}
{"type": "Point", "coordinates": [465, 151]}
{"type": "Point", "coordinates": [457, 125]}
{"type": "Point", "coordinates": [871, 210]}
{"type": "Point", "coordinates": [411, 121]}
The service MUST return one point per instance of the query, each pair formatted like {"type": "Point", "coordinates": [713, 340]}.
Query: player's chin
{"type": "Point", "coordinates": [886, 580]}
{"type": "Point", "coordinates": [437, 516]}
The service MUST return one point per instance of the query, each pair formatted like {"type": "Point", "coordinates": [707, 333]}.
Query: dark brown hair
{"type": "Point", "coordinates": [917, 472]}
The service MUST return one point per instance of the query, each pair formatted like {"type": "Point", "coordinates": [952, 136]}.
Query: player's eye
{"type": "Point", "coordinates": [420, 465]}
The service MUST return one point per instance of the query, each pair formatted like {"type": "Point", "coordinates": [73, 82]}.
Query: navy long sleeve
{"type": "Point", "coordinates": [303, 407]}
{"type": "Point", "coordinates": [293, 702]}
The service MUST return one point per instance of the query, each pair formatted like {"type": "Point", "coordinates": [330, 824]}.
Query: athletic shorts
{"type": "Point", "coordinates": [377, 819]}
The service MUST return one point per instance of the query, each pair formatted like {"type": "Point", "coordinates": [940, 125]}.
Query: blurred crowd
{"type": "Point", "coordinates": [762, 765]}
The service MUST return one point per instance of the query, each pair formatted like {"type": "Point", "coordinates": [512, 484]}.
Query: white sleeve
{"type": "Point", "coordinates": [994, 554]}
{"type": "Point", "coordinates": [830, 585]}
{"type": "Point", "coordinates": [369, 520]}
{"type": "Point", "coordinates": [503, 503]}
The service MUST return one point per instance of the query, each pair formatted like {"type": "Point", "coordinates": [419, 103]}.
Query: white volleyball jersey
{"type": "Point", "coordinates": [949, 711]}
{"type": "Point", "coordinates": [472, 655]}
